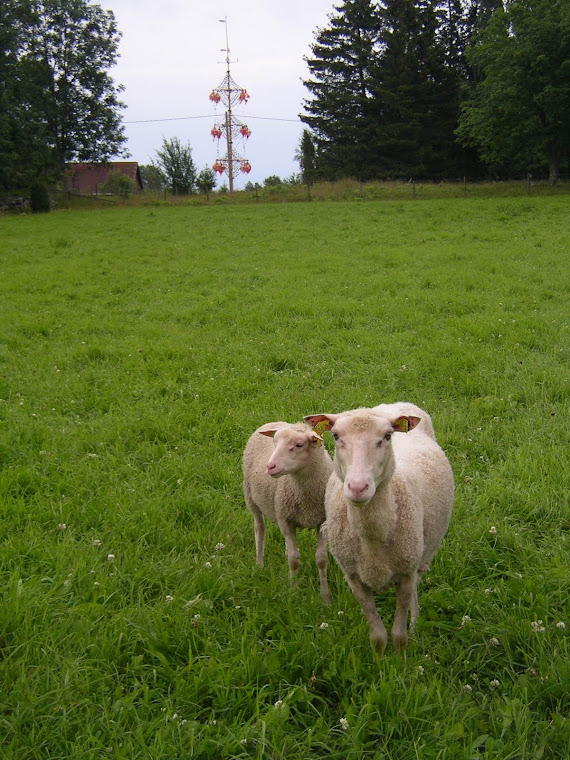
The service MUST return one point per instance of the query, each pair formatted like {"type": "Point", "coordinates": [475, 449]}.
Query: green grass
{"type": "Point", "coordinates": [139, 347]}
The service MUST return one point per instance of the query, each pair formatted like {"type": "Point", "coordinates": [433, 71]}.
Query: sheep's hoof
{"type": "Point", "coordinates": [400, 642]}
{"type": "Point", "coordinates": [327, 598]}
{"type": "Point", "coordinates": [378, 643]}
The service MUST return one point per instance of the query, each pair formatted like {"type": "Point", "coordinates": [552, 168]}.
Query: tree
{"type": "Point", "coordinates": [272, 181]}
{"type": "Point", "coordinates": [417, 95]}
{"type": "Point", "coordinates": [66, 48]}
{"type": "Point", "coordinates": [520, 110]}
{"type": "Point", "coordinates": [119, 184]}
{"type": "Point", "coordinates": [152, 178]}
{"type": "Point", "coordinates": [206, 181]}
{"type": "Point", "coordinates": [175, 163]}
{"type": "Point", "coordinates": [306, 157]}
{"type": "Point", "coordinates": [341, 113]}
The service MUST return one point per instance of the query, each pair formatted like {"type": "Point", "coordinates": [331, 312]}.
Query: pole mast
{"type": "Point", "coordinates": [230, 94]}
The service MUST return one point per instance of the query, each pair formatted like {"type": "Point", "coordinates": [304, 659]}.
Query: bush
{"type": "Point", "coordinates": [39, 198]}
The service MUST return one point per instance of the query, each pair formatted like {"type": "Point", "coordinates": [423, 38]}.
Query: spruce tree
{"type": "Point", "coordinates": [342, 111]}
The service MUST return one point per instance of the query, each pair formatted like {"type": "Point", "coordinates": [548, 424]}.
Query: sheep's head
{"type": "Point", "coordinates": [363, 450]}
{"type": "Point", "coordinates": [294, 445]}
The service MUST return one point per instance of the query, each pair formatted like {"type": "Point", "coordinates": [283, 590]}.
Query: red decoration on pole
{"type": "Point", "coordinates": [245, 167]}
{"type": "Point", "coordinates": [216, 132]}
{"type": "Point", "coordinates": [245, 132]}
{"type": "Point", "coordinates": [215, 96]}
{"type": "Point", "coordinates": [218, 167]}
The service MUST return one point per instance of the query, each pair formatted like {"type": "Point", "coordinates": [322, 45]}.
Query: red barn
{"type": "Point", "coordinates": [87, 179]}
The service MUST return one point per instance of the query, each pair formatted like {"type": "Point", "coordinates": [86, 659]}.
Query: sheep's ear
{"type": "Point", "coordinates": [316, 440]}
{"type": "Point", "coordinates": [405, 424]}
{"type": "Point", "coordinates": [320, 422]}
{"type": "Point", "coordinates": [270, 432]}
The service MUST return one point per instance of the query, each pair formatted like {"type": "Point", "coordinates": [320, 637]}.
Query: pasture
{"type": "Point", "coordinates": [140, 347]}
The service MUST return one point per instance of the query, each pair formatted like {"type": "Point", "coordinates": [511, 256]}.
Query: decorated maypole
{"type": "Point", "coordinates": [231, 96]}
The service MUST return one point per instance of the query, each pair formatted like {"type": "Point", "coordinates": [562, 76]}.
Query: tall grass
{"type": "Point", "coordinates": [139, 347]}
{"type": "Point", "coordinates": [341, 190]}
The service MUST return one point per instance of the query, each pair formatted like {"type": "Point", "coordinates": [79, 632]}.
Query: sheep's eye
{"type": "Point", "coordinates": [299, 445]}
{"type": "Point", "coordinates": [335, 436]}
{"type": "Point", "coordinates": [388, 436]}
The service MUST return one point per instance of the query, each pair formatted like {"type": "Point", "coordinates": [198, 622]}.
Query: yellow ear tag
{"type": "Point", "coordinates": [402, 425]}
{"type": "Point", "coordinates": [321, 426]}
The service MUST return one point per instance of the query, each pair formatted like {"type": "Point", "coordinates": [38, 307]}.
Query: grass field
{"type": "Point", "coordinates": [139, 348]}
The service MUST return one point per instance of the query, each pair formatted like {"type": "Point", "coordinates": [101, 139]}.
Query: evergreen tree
{"type": "Point", "coordinates": [341, 112]}
{"type": "Point", "coordinates": [417, 92]}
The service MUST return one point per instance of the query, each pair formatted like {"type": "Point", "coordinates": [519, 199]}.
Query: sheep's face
{"type": "Point", "coordinates": [294, 446]}
{"type": "Point", "coordinates": [363, 453]}
{"type": "Point", "coordinates": [363, 450]}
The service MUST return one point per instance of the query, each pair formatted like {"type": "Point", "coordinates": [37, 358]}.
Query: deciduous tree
{"type": "Point", "coordinates": [175, 163]}
{"type": "Point", "coordinates": [520, 110]}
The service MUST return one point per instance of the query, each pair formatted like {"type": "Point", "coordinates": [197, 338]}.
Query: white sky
{"type": "Point", "coordinates": [171, 58]}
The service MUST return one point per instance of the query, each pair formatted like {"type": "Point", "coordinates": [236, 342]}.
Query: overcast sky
{"type": "Point", "coordinates": [171, 58]}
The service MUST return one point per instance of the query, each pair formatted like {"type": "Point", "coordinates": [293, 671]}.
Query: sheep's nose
{"type": "Point", "coordinates": [271, 467]}
{"type": "Point", "coordinates": [358, 489]}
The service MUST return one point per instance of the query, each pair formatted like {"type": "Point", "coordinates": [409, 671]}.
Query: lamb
{"type": "Point", "coordinates": [285, 481]}
{"type": "Point", "coordinates": [388, 504]}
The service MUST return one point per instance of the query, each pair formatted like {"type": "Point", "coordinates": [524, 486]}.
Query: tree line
{"type": "Point", "coordinates": [438, 89]}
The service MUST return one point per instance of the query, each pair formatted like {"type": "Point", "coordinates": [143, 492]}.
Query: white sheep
{"type": "Point", "coordinates": [388, 505]}
{"type": "Point", "coordinates": [285, 481]}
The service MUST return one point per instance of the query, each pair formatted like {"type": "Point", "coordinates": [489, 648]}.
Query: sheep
{"type": "Point", "coordinates": [285, 481]}
{"type": "Point", "coordinates": [405, 408]}
{"type": "Point", "coordinates": [388, 504]}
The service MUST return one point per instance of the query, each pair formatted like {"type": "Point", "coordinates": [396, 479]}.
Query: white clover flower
{"type": "Point", "coordinates": [168, 599]}
{"type": "Point", "coordinates": [495, 683]}
{"type": "Point", "coordinates": [489, 590]}
{"type": "Point", "coordinates": [467, 687]}
{"type": "Point", "coordinates": [96, 583]}
{"type": "Point", "coordinates": [537, 626]}
{"type": "Point", "coordinates": [220, 547]}
{"type": "Point", "coordinates": [340, 612]}
{"type": "Point", "coordinates": [421, 670]}
{"type": "Point", "coordinates": [208, 565]}
{"type": "Point", "coordinates": [323, 626]}
{"type": "Point", "coordinates": [465, 619]}
{"type": "Point", "coordinates": [493, 530]}
{"type": "Point", "coordinates": [197, 616]}
{"type": "Point", "coordinates": [62, 526]}
{"type": "Point", "coordinates": [278, 704]}
{"type": "Point", "coordinates": [97, 542]}
{"type": "Point", "coordinates": [243, 742]}
{"type": "Point", "coordinates": [494, 642]}
{"type": "Point", "coordinates": [344, 724]}
{"type": "Point", "coordinates": [111, 557]}
{"type": "Point", "coordinates": [561, 624]}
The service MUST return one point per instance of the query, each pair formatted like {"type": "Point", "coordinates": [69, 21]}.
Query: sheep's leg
{"type": "Point", "coordinates": [378, 632]}
{"type": "Point", "coordinates": [293, 554]}
{"type": "Point", "coordinates": [322, 560]}
{"type": "Point", "coordinates": [259, 527]}
{"type": "Point", "coordinates": [406, 600]}
{"type": "Point", "coordinates": [414, 608]}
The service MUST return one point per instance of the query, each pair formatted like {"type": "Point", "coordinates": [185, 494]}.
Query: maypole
{"type": "Point", "coordinates": [231, 96]}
